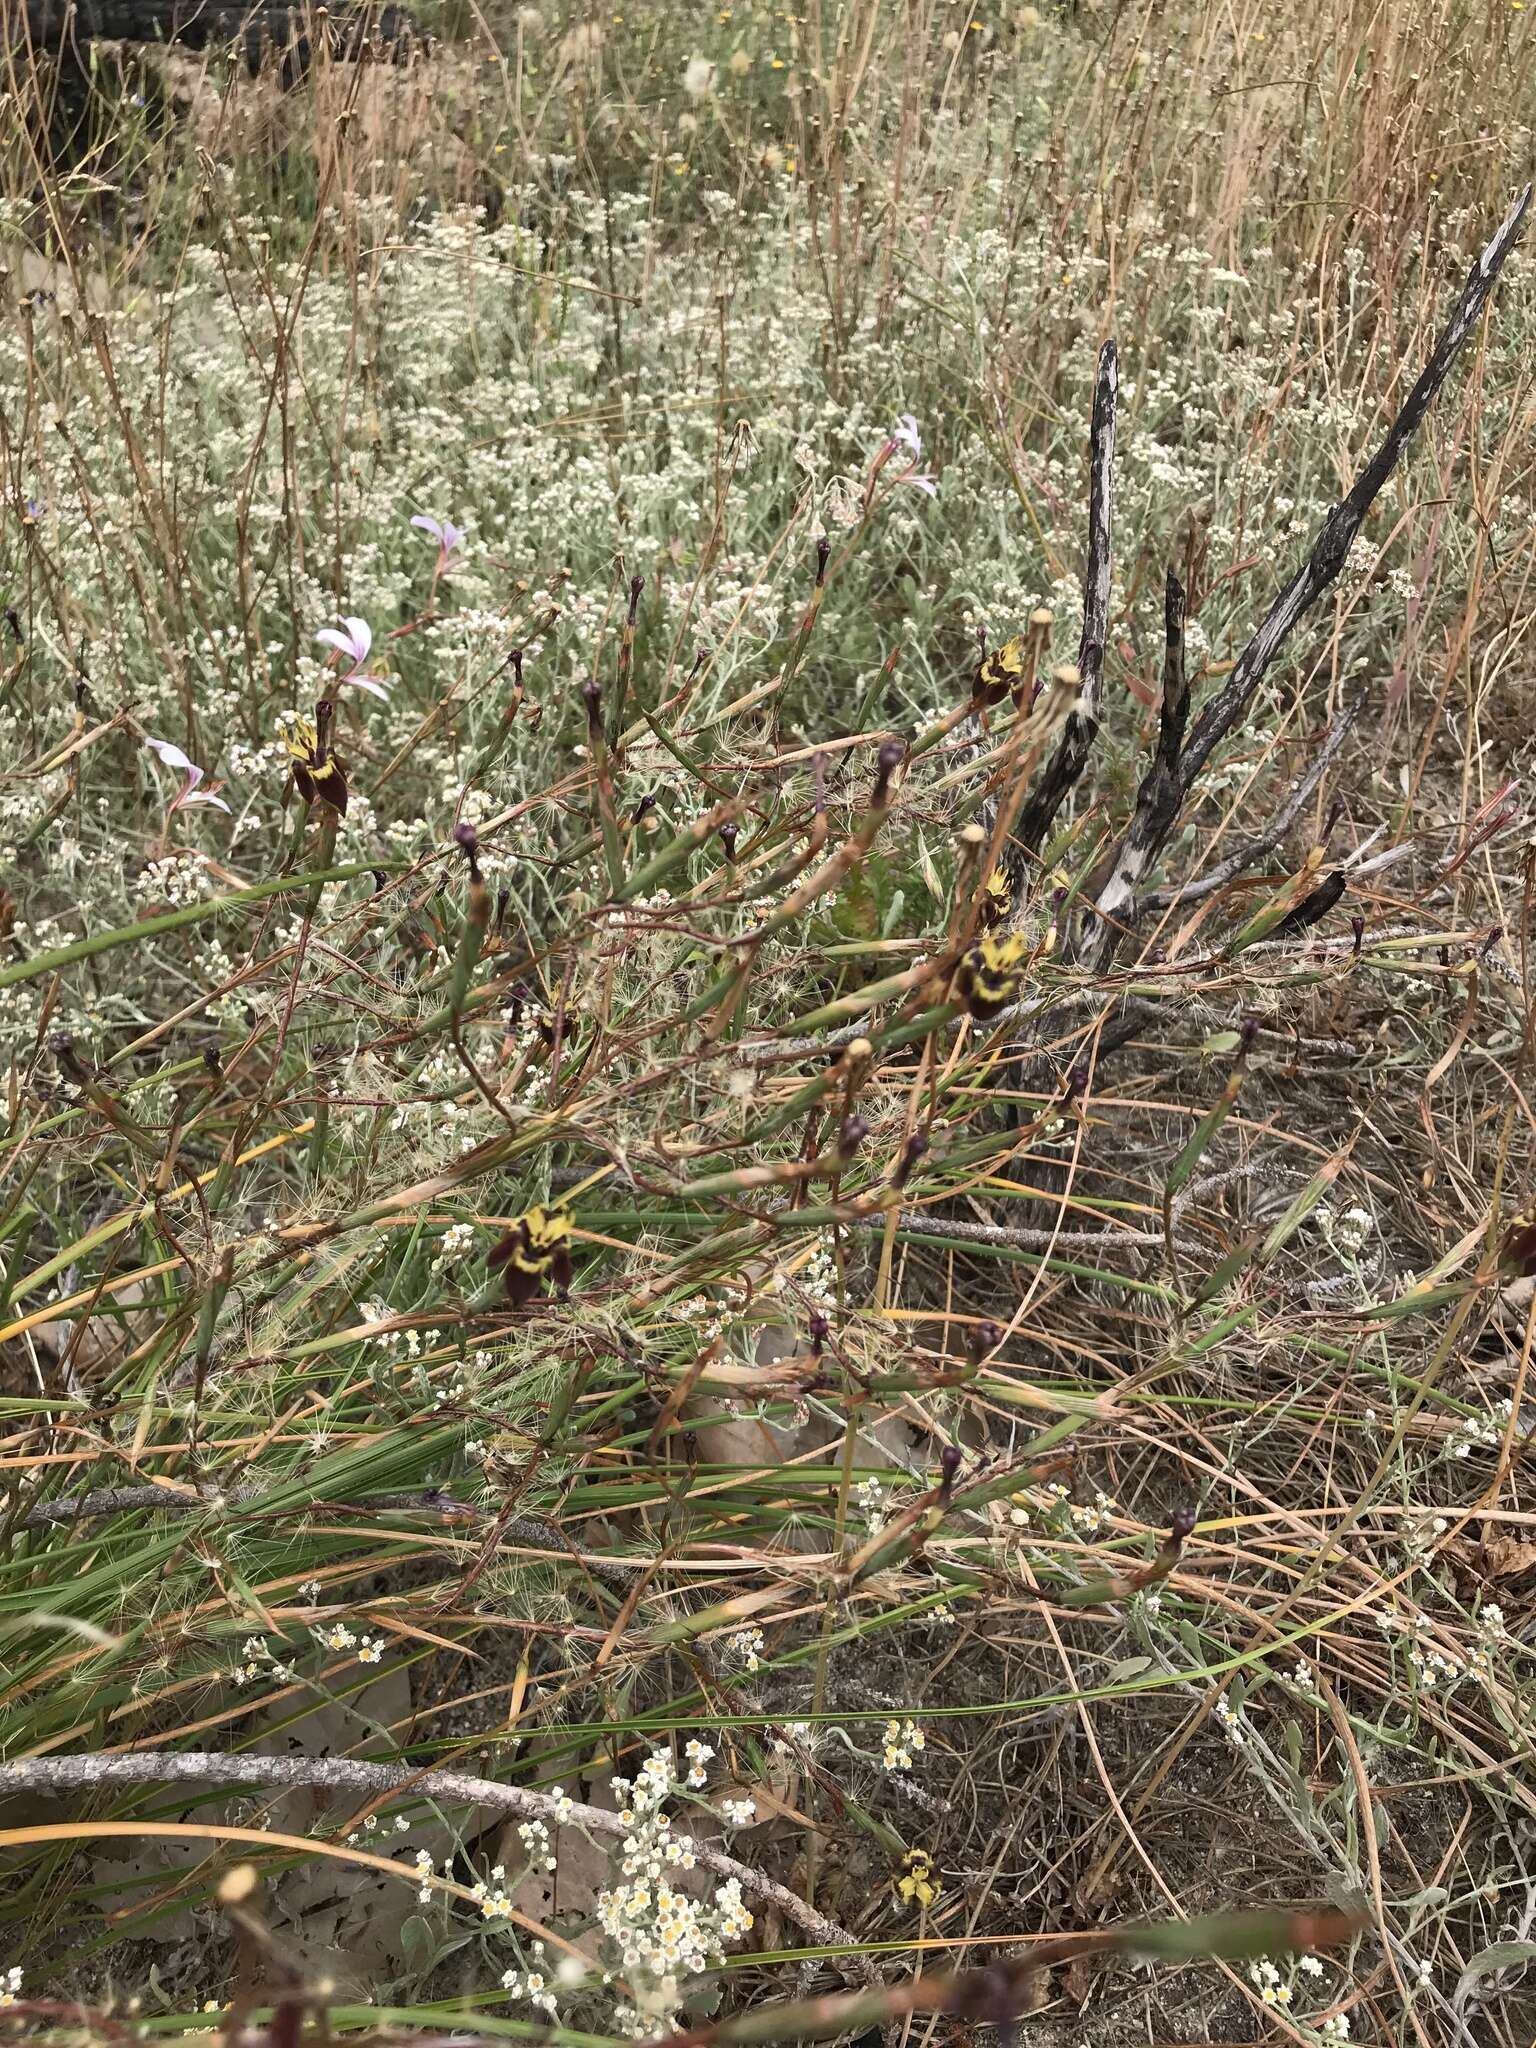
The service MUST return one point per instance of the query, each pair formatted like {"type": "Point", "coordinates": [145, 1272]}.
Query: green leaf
{"type": "Point", "coordinates": [1128, 1667]}
{"type": "Point", "coordinates": [418, 1944]}
{"type": "Point", "coordinates": [1223, 1041]}
{"type": "Point", "coordinates": [1503, 1955]}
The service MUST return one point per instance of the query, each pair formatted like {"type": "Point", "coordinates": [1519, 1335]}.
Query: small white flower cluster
{"type": "Point", "coordinates": [870, 1498]}
{"type": "Point", "coordinates": [372, 1824]}
{"type": "Point", "coordinates": [660, 1934]}
{"type": "Point", "coordinates": [662, 900]}
{"type": "Point", "coordinates": [336, 1635]}
{"type": "Point", "coordinates": [526, 1035]}
{"type": "Point", "coordinates": [259, 1662]}
{"type": "Point", "coordinates": [407, 1343]}
{"type": "Point", "coordinates": [492, 1897]}
{"type": "Point", "coordinates": [1056, 1504]}
{"type": "Point", "coordinates": [818, 1278]}
{"type": "Point", "coordinates": [1346, 1233]}
{"type": "Point", "coordinates": [1479, 1432]}
{"type": "Point", "coordinates": [451, 1392]}
{"type": "Point", "coordinates": [10, 1985]}
{"type": "Point", "coordinates": [453, 1246]}
{"type": "Point", "coordinates": [739, 1812]}
{"type": "Point", "coordinates": [1232, 1723]}
{"type": "Point", "coordinates": [534, 1836]}
{"type": "Point", "coordinates": [902, 1739]}
{"type": "Point", "coordinates": [1491, 1623]}
{"type": "Point", "coordinates": [176, 878]}
{"type": "Point", "coordinates": [707, 1317]}
{"type": "Point", "coordinates": [746, 1646]}
{"type": "Point", "coordinates": [1271, 1986]}
{"type": "Point", "coordinates": [1276, 1989]}
{"type": "Point", "coordinates": [1432, 1667]}
{"type": "Point", "coordinates": [534, 1986]}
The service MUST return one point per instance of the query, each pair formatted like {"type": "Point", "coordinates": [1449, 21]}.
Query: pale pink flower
{"type": "Point", "coordinates": [443, 531]}
{"type": "Point", "coordinates": [189, 793]}
{"type": "Point", "coordinates": [354, 638]}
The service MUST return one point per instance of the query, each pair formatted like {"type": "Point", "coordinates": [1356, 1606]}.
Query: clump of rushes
{"type": "Point", "coordinates": [534, 1252]}
{"type": "Point", "coordinates": [318, 774]}
{"type": "Point", "coordinates": [990, 972]}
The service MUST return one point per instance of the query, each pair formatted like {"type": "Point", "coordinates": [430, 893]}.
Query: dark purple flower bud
{"type": "Point", "coordinates": [911, 1152]}
{"type": "Point", "coordinates": [890, 757]}
{"type": "Point", "coordinates": [592, 697]}
{"type": "Point", "coordinates": [468, 838]}
{"type": "Point", "coordinates": [636, 588]}
{"type": "Point", "coordinates": [1247, 1032]}
{"type": "Point", "coordinates": [949, 1465]}
{"type": "Point", "coordinates": [1181, 1524]}
{"type": "Point", "coordinates": [851, 1134]}
{"type": "Point", "coordinates": [212, 1059]}
{"type": "Point", "coordinates": [380, 880]}
{"type": "Point", "coordinates": [823, 550]}
{"type": "Point", "coordinates": [13, 620]}
{"type": "Point", "coordinates": [728, 840]}
{"type": "Point", "coordinates": [1077, 1080]}
{"type": "Point", "coordinates": [985, 1337]}
{"type": "Point", "coordinates": [646, 805]}
{"type": "Point", "coordinates": [1357, 926]}
{"type": "Point", "coordinates": [820, 1330]}
{"type": "Point", "coordinates": [1490, 942]}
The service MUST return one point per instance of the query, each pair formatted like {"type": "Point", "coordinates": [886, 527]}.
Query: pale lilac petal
{"type": "Point", "coordinates": [430, 525]}
{"type": "Point", "coordinates": [921, 483]}
{"type": "Point", "coordinates": [355, 641]}
{"type": "Point", "coordinates": [452, 535]}
{"type": "Point", "coordinates": [905, 431]}
{"type": "Point", "coordinates": [207, 797]}
{"type": "Point", "coordinates": [173, 757]}
{"type": "Point", "coordinates": [367, 683]}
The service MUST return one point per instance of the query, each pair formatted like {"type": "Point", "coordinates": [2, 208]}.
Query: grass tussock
{"type": "Point", "coordinates": [765, 1256]}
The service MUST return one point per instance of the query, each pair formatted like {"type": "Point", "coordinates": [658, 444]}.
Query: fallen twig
{"type": "Point", "coordinates": [346, 1774]}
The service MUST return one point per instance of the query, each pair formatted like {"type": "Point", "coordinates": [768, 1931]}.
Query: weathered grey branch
{"type": "Point", "coordinates": [1329, 552]}
{"type": "Point", "coordinates": [1082, 726]}
{"type": "Point", "coordinates": [1157, 800]}
{"type": "Point", "coordinates": [1338, 530]}
{"type": "Point", "coordinates": [1266, 841]}
{"type": "Point", "coordinates": [346, 1774]}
